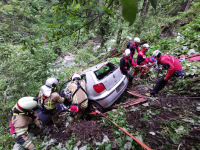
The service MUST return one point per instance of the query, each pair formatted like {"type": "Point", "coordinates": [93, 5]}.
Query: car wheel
{"type": "Point", "coordinates": [96, 105]}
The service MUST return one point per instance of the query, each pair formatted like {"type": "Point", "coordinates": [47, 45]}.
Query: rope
{"type": "Point", "coordinates": [142, 144]}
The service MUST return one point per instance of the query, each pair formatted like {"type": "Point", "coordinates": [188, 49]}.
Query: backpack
{"type": "Point", "coordinates": [128, 44]}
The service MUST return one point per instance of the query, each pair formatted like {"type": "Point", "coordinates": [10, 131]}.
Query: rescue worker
{"type": "Point", "coordinates": [77, 97]}
{"type": "Point", "coordinates": [25, 120]}
{"type": "Point", "coordinates": [125, 64]}
{"type": "Point", "coordinates": [171, 64]}
{"type": "Point", "coordinates": [128, 44]}
{"type": "Point", "coordinates": [50, 98]}
{"type": "Point", "coordinates": [142, 60]}
{"type": "Point", "coordinates": [134, 46]}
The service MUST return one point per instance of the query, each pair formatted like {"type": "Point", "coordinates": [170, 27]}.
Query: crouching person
{"type": "Point", "coordinates": [25, 120]}
{"type": "Point", "coordinates": [77, 97]}
{"type": "Point", "coordinates": [172, 65]}
{"type": "Point", "coordinates": [125, 63]}
{"type": "Point", "coordinates": [50, 98]}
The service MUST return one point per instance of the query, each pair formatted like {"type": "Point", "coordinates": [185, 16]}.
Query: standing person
{"type": "Point", "coordinates": [142, 60]}
{"type": "Point", "coordinates": [50, 98]}
{"type": "Point", "coordinates": [78, 96]}
{"type": "Point", "coordinates": [171, 64]}
{"type": "Point", "coordinates": [134, 46]}
{"type": "Point", "coordinates": [25, 120]}
{"type": "Point", "coordinates": [125, 64]}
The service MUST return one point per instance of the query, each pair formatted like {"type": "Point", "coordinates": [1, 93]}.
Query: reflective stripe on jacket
{"type": "Point", "coordinates": [50, 102]}
{"type": "Point", "coordinates": [80, 95]}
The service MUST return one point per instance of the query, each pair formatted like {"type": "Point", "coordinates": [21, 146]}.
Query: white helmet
{"type": "Point", "coordinates": [127, 52]}
{"type": "Point", "coordinates": [45, 90]}
{"type": "Point", "coordinates": [26, 103]}
{"type": "Point", "coordinates": [146, 46]}
{"type": "Point", "coordinates": [76, 76]}
{"type": "Point", "coordinates": [156, 53]}
{"type": "Point", "coordinates": [137, 39]}
{"type": "Point", "coordinates": [52, 82]}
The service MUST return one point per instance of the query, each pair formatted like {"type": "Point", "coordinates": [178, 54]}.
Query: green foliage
{"type": "Point", "coordinates": [115, 60]}
{"type": "Point", "coordinates": [118, 116]}
{"type": "Point", "coordinates": [154, 3]}
{"type": "Point", "coordinates": [129, 10]}
{"type": "Point", "coordinates": [67, 26]}
{"type": "Point", "coordinates": [23, 73]}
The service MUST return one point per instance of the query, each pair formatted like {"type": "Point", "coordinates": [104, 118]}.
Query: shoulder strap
{"type": "Point", "coordinates": [15, 112]}
{"type": "Point", "coordinates": [78, 87]}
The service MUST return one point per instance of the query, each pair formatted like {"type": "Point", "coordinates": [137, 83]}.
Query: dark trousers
{"type": "Point", "coordinates": [130, 77]}
{"type": "Point", "coordinates": [160, 84]}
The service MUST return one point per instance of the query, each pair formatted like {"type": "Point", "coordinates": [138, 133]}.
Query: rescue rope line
{"type": "Point", "coordinates": [142, 144]}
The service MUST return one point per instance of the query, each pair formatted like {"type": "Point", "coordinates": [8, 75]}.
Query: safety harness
{"type": "Point", "coordinates": [74, 108]}
{"type": "Point", "coordinates": [126, 62]}
{"type": "Point", "coordinates": [47, 111]}
{"type": "Point", "coordinates": [15, 113]}
{"type": "Point", "coordinates": [132, 48]}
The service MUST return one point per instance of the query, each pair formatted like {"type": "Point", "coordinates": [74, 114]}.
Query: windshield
{"type": "Point", "coordinates": [105, 70]}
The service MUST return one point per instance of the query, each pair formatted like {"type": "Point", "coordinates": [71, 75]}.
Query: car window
{"type": "Point", "coordinates": [105, 70]}
{"type": "Point", "coordinates": [83, 77]}
{"type": "Point", "coordinates": [64, 85]}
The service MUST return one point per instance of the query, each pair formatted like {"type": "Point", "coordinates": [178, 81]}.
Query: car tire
{"type": "Point", "coordinates": [95, 104]}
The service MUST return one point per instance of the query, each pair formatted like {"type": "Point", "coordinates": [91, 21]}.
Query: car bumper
{"type": "Point", "coordinates": [109, 97]}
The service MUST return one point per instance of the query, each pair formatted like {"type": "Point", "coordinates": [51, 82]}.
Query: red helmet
{"type": "Point", "coordinates": [76, 76]}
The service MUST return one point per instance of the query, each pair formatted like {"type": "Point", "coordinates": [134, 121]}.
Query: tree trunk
{"type": "Point", "coordinates": [143, 7]}
{"type": "Point", "coordinates": [119, 36]}
{"type": "Point", "coordinates": [4, 2]}
{"type": "Point", "coordinates": [188, 5]}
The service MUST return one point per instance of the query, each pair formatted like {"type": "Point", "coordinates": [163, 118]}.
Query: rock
{"type": "Point", "coordinates": [114, 145]}
{"type": "Point", "coordinates": [83, 148]}
{"type": "Point", "coordinates": [127, 146]}
{"type": "Point", "coordinates": [75, 148]}
{"type": "Point", "coordinates": [152, 133]}
{"type": "Point", "coordinates": [59, 145]}
{"type": "Point", "coordinates": [105, 139]}
{"type": "Point", "coordinates": [78, 143]}
{"type": "Point", "coordinates": [128, 138]}
{"type": "Point", "coordinates": [146, 104]}
{"type": "Point", "coordinates": [17, 147]}
{"type": "Point", "coordinates": [191, 51]}
{"type": "Point", "coordinates": [66, 125]}
{"type": "Point", "coordinates": [198, 108]}
{"type": "Point", "coordinates": [179, 130]}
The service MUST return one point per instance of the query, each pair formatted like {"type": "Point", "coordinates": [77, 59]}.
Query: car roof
{"type": "Point", "coordinates": [94, 68]}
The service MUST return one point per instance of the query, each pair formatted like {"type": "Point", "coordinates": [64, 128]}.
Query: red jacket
{"type": "Point", "coordinates": [171, 64]}
{"type": "Point", "coordinates": [133, 48]}
{"type": "Point", "coordinates": [141, 58]}
{"type": "Point", "coordinates": [151, 59]}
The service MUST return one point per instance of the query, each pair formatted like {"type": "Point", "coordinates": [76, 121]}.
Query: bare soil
{"type": "Point", "coordinates": [170, 110]}
{"type": "Point", "coordinates": [90, 131]}
{"type": "Point", "coordinates": [166, 113]}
